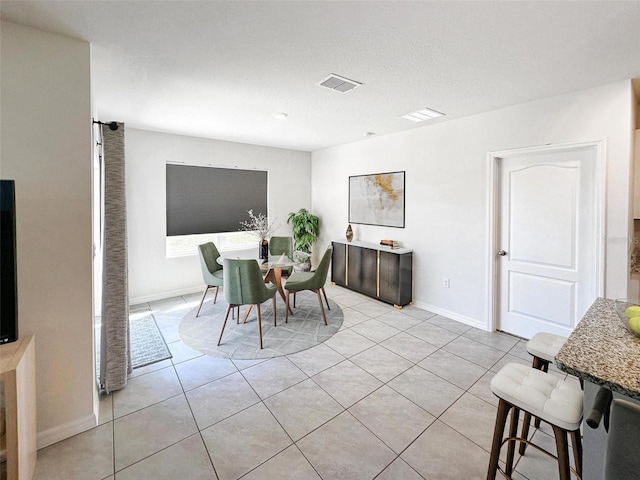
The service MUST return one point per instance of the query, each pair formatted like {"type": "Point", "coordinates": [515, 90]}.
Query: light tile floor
{"type": "Point", "coordinates": [395, 394]}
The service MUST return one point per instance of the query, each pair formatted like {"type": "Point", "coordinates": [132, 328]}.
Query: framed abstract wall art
{"type": "Point", "coordinates": [377, 199]}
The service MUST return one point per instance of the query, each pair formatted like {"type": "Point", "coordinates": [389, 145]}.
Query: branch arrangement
{"type": "Point", "coordinates": [258, 225]}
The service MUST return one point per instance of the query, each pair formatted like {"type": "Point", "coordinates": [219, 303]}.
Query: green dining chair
{"type": "Point", "coordinates": [244, 285]}
{"type": "Point", "coordinates": [280, 245]}
{"type": "Point", "coordinates": [313, 280]}
{"type": "Point", "coordinates": [211, 270]}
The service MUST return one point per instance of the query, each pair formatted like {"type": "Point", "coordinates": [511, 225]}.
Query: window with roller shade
{"type": "Point", "coordinates": [208, 203]}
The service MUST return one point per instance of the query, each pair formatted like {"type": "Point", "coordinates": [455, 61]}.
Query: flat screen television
{"type": "Point", "coordinates": [8, 267]}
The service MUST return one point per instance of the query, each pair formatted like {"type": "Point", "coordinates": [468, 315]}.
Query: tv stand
{"type": "Point", "coordinates": [18, 374]}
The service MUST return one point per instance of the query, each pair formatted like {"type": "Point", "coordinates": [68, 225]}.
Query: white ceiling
{"type": "Point", "coordinates": [222, 69]}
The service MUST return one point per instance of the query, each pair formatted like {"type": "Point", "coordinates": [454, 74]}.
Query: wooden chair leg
{"type": "Point", "coordinates": [501, 419]}
{"type": "Point", "coordinates": [325, 298]}
{"type": "Point", "coordinates": [216, 295]}
{"type": "Point", "coordinates": [259, 324]}
{"type": "Point", "coordinates": [513, 431]}
{"type": "Point", "coordinates": [274, 312]}
{"type": "Point", "coordinates": [247, 310]}
{"type": "Point", "coordinates": [286, 307]}
{"type": "Point", "coordinates": [321, 306]}
{"type": "Point", "coordinates": [204, 294]}
{"type": "Point", "coordinates": [563, 452]}
{"type": "Point", "coordinates": [294, 299]}
{"type": "Point", "coordinates": [226, 316]}
{"type": "Point", "coordinates": [576, 441]}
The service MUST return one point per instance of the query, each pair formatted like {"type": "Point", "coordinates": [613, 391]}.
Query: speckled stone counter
{"type": "Point", "coordinates": [602, 351]}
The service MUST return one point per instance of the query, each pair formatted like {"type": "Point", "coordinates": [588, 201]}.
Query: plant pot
{"type": "Point", "coordinates": [302, 267]}
{"type": "Point", "coordinates": [304, 260]}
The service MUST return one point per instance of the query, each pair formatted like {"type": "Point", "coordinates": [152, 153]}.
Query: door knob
{"type": "Point", "coordinates": [502, 253]}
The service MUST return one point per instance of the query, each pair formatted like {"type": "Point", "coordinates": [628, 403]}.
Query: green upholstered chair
{"type": "Point", "coordinates": [313, 280]}
{"type": "Point", "coordinates": [244, 285]}
{"type": "Point", "coordinates": [280, 245]}
{"type": "Point", "coordinates": [211, 270]}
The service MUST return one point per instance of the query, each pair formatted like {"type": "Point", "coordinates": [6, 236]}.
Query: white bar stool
{"type": "Point", "coordinates": [543, 347]}
{"type": "Point", "coordinates": [547, 397]}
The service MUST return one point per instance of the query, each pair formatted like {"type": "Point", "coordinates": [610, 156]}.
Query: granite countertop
{"type": "Point", "coordinates": [602, 351]}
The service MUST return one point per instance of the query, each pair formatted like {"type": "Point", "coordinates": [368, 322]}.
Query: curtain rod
{"type": "Point", "coordinates": [112, 125]}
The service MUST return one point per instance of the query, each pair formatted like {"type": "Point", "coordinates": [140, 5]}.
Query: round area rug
{"type": "Point", "coordinates": [304, 329]}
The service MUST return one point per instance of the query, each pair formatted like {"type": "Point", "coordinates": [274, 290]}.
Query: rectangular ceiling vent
{"type": "Point", "coordinates": [338, 83]}
{"type": "Point", "coordinates": [422, 115]}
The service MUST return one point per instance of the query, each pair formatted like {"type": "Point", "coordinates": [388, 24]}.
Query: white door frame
{"type": "Point", "coordinates": [493, 210]}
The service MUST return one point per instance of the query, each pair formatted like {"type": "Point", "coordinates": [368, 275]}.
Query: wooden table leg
{"type": "Point", "coordinates": [274, 275]}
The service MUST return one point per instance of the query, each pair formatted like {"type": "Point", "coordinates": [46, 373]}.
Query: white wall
{"type": "Point", "coordinates": [45, 127]}
{"type": "Point", "coordinates": [447, 189]}
{"type": "Point", "coordinates": [151, 274]}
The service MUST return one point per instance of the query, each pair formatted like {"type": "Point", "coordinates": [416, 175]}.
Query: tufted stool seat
{"type": "Point", "coordinates": [551, 399]}
{"type": "Point", "coordinates": [545, 346]}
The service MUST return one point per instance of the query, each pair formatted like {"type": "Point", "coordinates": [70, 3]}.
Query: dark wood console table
{"type": "Point", "coordinates": [380, 272]}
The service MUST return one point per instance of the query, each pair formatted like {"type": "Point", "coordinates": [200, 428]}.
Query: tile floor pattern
{"type": "Point", "coordinates": [395, 394]}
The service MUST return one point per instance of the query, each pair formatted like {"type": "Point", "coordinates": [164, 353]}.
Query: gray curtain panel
{"type": "Point", "coordinates": [115, 357]}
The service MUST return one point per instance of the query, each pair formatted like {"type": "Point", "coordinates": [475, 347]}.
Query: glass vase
{"type": "Point", "coordinates": [263, 250]}
{"type": "Point", "coordinates": [349, 233]}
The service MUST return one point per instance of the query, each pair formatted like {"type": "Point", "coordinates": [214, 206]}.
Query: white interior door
{"type": "Point", "coordinates": [547, 243]}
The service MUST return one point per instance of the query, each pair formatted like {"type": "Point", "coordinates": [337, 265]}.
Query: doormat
{"type": "Point", "coordinates": [147, 343]}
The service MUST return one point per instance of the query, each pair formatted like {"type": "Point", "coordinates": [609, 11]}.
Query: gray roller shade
{"type": "Point", "coordinates": [212, 199]}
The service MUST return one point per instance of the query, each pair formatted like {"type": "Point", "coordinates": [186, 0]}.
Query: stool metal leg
{"type": "Point", "coordinates": [544, 366]}
{"type": "Point", "coordinates": [525, 432]}
{"type": "Point", "coordinates": [501, 419]}
{"type": "Point", "coordinates": [576, 441]}
{"type": "Point", "coordinates": [563, 452]}
{"type": "Point", "coordinates": [538, 364]}
{"type": "Point", "coordinates": [513, 431]}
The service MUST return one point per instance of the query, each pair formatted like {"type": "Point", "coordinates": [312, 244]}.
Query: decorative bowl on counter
{"type": "Point", "coordinates": [628, 309]}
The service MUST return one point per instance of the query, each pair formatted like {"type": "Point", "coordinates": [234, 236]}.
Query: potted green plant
{"type": "Point", "coordinates": [305, 231]}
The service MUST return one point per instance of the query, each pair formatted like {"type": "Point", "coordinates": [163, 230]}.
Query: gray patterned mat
{"type": "Point", "coordinates": [305, 329]}
{"type": "Point", "coordinates": [147, 343]}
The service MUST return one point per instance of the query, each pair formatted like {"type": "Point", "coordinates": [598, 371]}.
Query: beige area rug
{"type": "Point", "coordinates": [304, 330]}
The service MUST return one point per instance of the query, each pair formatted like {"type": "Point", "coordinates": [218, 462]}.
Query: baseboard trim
{"type": "Point", "coordinates": [472, 322]}
{"type": "Point", "coordinates": [164, 295]}
{"type": "Point", "coordinates": [61, 432]}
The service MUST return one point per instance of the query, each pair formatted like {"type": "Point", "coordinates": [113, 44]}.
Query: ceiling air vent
{"type": "Point", "coordinates": [338, 83]}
